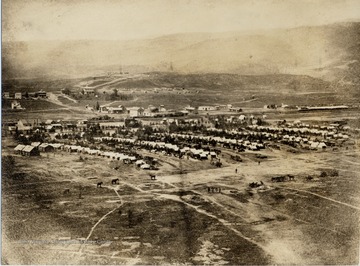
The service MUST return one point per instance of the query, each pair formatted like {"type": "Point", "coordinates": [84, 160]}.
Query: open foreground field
{"type": "Point", "coordinates": [54, 213]}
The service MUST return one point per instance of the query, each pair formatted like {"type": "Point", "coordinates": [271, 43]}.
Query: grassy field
{"type": "Point", "coordinates": [139, 221]}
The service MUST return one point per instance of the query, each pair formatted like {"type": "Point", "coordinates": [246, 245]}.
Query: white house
{"type": "Point", "coordinates": [103, 109]}
{"type": "Point", "coordinates": [16, 105]}
{"type": "Point", "coordinates": [162, 108]}
{"type": "Point", "coordinates": [135, 111]}
{"type": "Point", "coordinates": [88, 91]}
{"type": "Point", "coordinates": [24, 125]}
{"type": "Point", "coordinates": [18, 95]}
{"type": "Point", "coordinates": [207, 108]}
{"type": "Point", "coordinates": [116, 110]}
{"type": "Point", "coordinates": [6, 95]}
{"type": "Point", "coordinates": [149, 113]}
{"type": "Point", "coordinates": [190, 109]}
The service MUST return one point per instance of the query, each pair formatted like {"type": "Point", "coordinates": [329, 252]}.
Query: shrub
{"type": "Point", "coordinates": [323, 174]}
{"type": "Point", "coordinates": [334, 172]}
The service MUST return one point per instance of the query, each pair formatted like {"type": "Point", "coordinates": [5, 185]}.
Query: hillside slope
{"type": "Point", "coordinates": [329, 52]}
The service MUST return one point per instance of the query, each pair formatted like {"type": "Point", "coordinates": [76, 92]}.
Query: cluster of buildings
{"type": "Point", "coordinates": [307, 108]}
{"type": "Point", "coordinates": [227, 107]}
{"type": "Point", "coordinates": [16, 96]}
{"type": "Point", "coordinates": [161, 111]}
{"type": "Point", "coordinates": [26, 126]}
{"type": "Point", "coordinates": [150, 111]}
{"type": "Point", "coordinates": [24, 95]}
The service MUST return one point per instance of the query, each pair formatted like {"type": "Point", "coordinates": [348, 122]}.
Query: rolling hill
{"type": "Point", "coordinates": [315, 51]}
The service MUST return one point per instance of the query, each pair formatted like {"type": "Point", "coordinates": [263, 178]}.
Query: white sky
{"type": "Point", "coordinates": [128, 19]}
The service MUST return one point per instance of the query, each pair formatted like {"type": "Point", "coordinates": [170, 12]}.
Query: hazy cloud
{"type": "Point", "coordinates": [114, 19]}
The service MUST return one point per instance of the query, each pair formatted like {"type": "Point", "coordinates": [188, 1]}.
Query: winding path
{"type": "Point", "coordinates": [100, 220]}
{"type": "Point", "coordinates": [323, 197]}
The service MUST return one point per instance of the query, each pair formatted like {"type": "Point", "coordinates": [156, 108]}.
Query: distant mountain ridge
{"type": "Point", "coordinates": [329, 52]}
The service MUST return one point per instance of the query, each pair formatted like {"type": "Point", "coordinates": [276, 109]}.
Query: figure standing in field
{"type": "Point", "coordinates": [130, 218]}
{"type": "Point", "coordinates": [235, 170]}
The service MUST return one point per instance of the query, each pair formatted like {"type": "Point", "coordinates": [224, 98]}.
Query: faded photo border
{"type": "Point", "coordinates": [180, 132]}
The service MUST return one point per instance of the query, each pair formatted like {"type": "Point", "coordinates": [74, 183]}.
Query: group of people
{"type": "Point", "coordinates": [214, 189]}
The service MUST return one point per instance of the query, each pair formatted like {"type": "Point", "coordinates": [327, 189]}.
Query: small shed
{"type": "Point", "coordinates": [35, 144]}
{"type": "Point", "coordinates": [314, 145]}
{"type": "Point", "coordinates": [45, 147]}
{"type": "Point", "coordinates": [203, 156]}
{"type": "Point", "coordinates": [145, 166]}
{"type": "Point", "coordinates": [56, 145]}
{"type": "Point", "coordinates": [321, 145]}
{"type": "Point", "coordinates": [30, 151]}
{"type": "Point", "coordinates": [19, 148]}
{"type": "Point", "coordinates": [213, 154]}
{"type": "Point", "coordinates": [139, 162]}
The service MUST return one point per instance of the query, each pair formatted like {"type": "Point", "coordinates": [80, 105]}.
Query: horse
{"type": "Point", "coordinates": [256, 184]}
{"type": "Point", "coordinates": [253, 184]}
{"type": "Point", "coordinates": [115, 181]}
{"type": "Point", "coordinates": [99, 184]}
{"type": "Point", "coordinates": [66, 191]}
{"type": "Point", "coordinates": [278, 179]}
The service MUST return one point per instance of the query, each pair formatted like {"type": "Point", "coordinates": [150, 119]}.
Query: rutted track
{"type": "Point", "coordinates": [100, 220]}
{"type": "Point", "coordinates": [323, 197]}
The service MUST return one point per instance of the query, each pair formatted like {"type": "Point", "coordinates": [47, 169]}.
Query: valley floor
{"type": "Point", "coordinates": [177, 218]}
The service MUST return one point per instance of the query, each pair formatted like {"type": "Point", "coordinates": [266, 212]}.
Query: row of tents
{"type": "Point", "coordinates": [166, 148]}
{"type": "Point", "coordinates": [35, 148]}
{"type": "Point", "coordinates": [252, 145]}
{"type": "Point", "coordinates": [303, 139]}
{"type": "Point", "coordinates": [108, 154]}
{"type": "Point", "coordinates": [326, 132]}
{"type": "Point", "coordinates": [222, 140]}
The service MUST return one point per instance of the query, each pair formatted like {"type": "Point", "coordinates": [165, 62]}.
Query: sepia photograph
{"type": "Point", "coordinates": [180, 132]}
